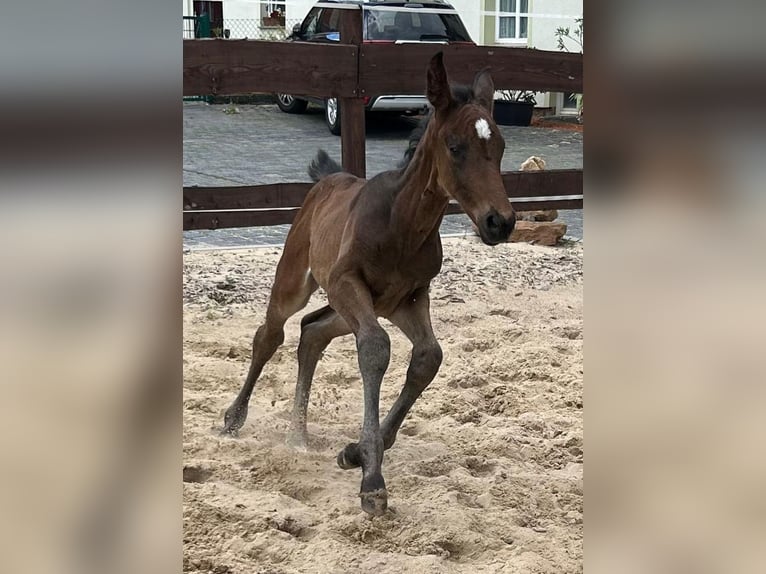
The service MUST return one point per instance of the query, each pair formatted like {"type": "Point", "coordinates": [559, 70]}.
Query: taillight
{"type": "Point", "coordinates": [366, 100]}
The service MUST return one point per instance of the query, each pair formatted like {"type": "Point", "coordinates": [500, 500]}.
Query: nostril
{"type": "Point", "coordinates": [494, 221]}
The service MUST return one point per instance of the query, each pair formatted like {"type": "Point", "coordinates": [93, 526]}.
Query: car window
{"type": "Point", "coordinates": [392, 25]}
{"type": "Point", "coordinates": [310, 23]}
{"type": "Point", "coordinates": [328, 21]}
{"type": "Point", "coordinates": [334, 22]}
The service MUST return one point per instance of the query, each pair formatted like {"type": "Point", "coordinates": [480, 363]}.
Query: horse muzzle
{"type": "Point", "coordinates": [495, 228]}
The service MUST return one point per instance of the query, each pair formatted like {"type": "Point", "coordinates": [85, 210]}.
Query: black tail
{"type": "Point", "coordinates": [323, 165]}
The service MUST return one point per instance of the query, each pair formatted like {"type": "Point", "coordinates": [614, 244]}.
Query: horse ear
{"type": "Point", "coordinates": [438, 90]}
{"type": "Point", "coordinates": [484, 90]}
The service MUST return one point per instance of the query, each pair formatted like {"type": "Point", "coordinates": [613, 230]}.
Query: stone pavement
{"type": "Point", "coordinates": [260, 145]}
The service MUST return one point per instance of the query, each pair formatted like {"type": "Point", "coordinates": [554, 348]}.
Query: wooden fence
{"type": "Point", "coordinates": [350, 70]}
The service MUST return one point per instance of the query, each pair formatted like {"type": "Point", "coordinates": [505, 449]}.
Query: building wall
{"type": "Point", "coordinates": [241, 10]}
{"type": "Point", "coordinates": [243, 19]}
{"type": "Point", "coordinates": [470, 14]}
{"type": "Point", "coordinates": [542, 30]}
{"type": "Point", "coordinates": [482, 27]}
{"type": "Point", "coordinates": [541, 33]}
{"type": "Point", "coordinates": [238, 9]}
{"type": "Point", "coordinates": [296, 10]}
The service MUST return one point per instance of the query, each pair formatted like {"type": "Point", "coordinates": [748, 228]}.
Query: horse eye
{"type": "Point", "coordinates": [454, 148]}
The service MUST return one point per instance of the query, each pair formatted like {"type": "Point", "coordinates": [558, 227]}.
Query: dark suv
{"type": "Point", "coordinates": [383, 21]}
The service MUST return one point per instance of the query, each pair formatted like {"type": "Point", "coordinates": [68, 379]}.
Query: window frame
{"type": "Point", "coordinates": [513, 41]}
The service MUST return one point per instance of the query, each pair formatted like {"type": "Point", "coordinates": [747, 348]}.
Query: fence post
{"type": "Point", "coordinates": [352, 132]}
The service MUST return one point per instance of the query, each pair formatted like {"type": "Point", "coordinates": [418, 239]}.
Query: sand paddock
{"type": "Point", "coordinates": [486, 475]}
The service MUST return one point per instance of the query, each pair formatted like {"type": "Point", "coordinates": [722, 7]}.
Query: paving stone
{"type": "Point", "coordinates": [262, 145]}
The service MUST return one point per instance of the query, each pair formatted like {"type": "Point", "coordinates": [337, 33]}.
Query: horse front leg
{"type": "Point", "coordinates": [351, 298]}
{"type": "Point", "coordinates": [413, 317]}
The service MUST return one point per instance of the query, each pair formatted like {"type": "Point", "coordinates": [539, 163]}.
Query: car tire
{"type": "Point", "coordinates": [332, 115]}
{"type": "Point", "coordinates": [290, 104]}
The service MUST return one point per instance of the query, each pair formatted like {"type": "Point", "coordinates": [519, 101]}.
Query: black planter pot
{"type": "Point", "coordinates": [513, 113]}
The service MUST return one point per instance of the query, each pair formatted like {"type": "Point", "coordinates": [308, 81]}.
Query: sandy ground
{"type": "Point", "coordinates": [486, 475]}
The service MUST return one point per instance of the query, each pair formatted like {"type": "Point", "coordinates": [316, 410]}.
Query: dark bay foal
{"type": "Point", "coordinates": [374, 247]}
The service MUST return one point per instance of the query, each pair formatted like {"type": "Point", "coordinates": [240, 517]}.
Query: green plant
{"type": "Point", "coordinates": [575, 36]}
{"type": "Point", "coordinates": [516, 96]}
{"type": "Point", "coordinates": [563, 34]}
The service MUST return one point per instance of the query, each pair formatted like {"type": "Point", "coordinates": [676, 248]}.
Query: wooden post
{"type": "Point", "coordinates": [352, 131]}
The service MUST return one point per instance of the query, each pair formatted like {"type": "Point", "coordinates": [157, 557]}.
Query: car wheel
{"type": "Point", "coordinates": [332, 115]}
{"type": "Point", "coordinates": [291, 105]}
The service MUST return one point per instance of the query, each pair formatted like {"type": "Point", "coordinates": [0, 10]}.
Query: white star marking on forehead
{"type": "Point", "coordinates": [482, 128]}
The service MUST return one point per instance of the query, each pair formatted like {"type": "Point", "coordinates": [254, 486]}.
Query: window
{"type": "Point", "coordinates": [269, 9]}
{"type": "Point", "coordinates": [513, 26]}
{"type": "Point", "coordinates": [274, 7]}
{"type": "Point", "coordinates": [328, 21]}
{"type": "Point", "coordinates": [570, 101]}
{"type": "Point", "coordinates": [209, 19]}
{"type": "Point", "coordinates": [390, 25]}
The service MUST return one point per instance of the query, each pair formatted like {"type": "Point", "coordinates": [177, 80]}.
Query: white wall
{"type": "Point", "coordinates": [542, 30]}
{"type": "Point", "coordinates": [470, 14]}
{"type": "Point", "coordinates": [296, 10]}
{"type": "Point", "coordinates": [251, 9]}
{"type": "Point", "coordinates": [542, 35]}
{"type": "Point", "coordinates": [241, 10]}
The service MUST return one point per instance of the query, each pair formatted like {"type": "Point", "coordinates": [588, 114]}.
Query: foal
{"type": "Point", "coordinates": [374, 247]}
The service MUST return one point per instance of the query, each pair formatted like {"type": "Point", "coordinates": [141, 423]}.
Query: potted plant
{"type": "Point", "coordinates": [514, 107]}
{"type": "Point", "coordinates": [275, 19]}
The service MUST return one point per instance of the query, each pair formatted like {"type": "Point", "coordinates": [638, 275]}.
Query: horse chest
{"type": "Point", "coordinates": [394, 280]}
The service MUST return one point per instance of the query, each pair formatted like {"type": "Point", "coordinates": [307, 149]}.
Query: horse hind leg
{"type": "Point", "coordinates": [317, 330]}
{"type": "Point", "coordinates": [292, 289]}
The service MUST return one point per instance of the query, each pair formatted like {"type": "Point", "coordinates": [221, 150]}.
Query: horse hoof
{"type": "Point", "coordinates": [298, 440]}
{"type": "Point", "coordinates": [375, 502]}
{"type": "Point", "coordinates": [348, 458]}
{"type": "Point", "coordinates": [233, 420]}
{"type": "Point", "coordinates": [230, 430]}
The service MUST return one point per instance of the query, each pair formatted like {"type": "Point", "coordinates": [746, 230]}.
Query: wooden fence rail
{"type": "Point", "coordinates": [220, 67]}
{"type": "Point", "coordinates": [272, 204]}
{"type": "Point", "coordinates": [350, 70]}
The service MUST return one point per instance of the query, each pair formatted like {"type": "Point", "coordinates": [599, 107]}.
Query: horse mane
{"type": "Point", "coordinates": [323, 165]}
{"type": "Point", "coordinates": [460, 94]}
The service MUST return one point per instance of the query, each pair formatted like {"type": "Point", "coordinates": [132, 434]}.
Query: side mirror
{"type": "Point", "coordinates": [296, 31]}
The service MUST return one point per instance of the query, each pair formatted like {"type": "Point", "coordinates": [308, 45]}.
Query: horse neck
{"type": "Point", "coordinates": [420, 204]}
